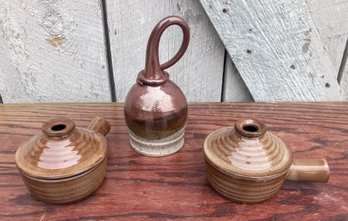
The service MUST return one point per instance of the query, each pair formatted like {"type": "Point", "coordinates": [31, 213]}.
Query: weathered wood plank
{"type": "Point", "coordinates": [52, 51]}
{"type": "Point", "coordinates": [198, 73]}
{"type": "Point", "coordinates": [344, 82]}
{"type": "Point", "coordinates": [331, 21]}
{"type": "Point", "coordinates": [235, 89]}
{"type": "Point", "coordinates": [175, 187]}
{"type": "Point", "coordinates": [275, 48]}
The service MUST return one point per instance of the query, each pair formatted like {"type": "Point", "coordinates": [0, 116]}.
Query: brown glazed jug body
{"type": "Point", "coordinates": [64, 163]}
{"type": "Point", "coordinates": [248, 164]}
{"type": "Point", "coordinates": [155, 108]}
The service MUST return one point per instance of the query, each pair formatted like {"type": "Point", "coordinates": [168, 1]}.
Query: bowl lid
{"type": "Point", "coordinates": [247, 150]}
{"type": "Point", "coordinates": [60, 151]}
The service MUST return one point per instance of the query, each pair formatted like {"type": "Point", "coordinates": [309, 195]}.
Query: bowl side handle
{"type": "Point", "coordinates": [315, 170]}
{"type": "Point", "coordinates": [100, 125]}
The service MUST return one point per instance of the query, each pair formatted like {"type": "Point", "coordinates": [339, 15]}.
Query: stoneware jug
{"type": "Point", "coordinates": [64, 163]}
{"type": "Point", "coordinates": [248, 164]}
{"type": "Point", "coordinates": [155, 108]}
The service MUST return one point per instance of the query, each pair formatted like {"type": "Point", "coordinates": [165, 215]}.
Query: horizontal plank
{"type": "Point", "coordinates": [175, 187]}
{"type": "Point", "coordinates": [52, 51]}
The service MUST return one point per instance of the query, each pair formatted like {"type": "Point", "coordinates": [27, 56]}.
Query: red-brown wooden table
{"type": "Point", "coordinates": [175, 187]}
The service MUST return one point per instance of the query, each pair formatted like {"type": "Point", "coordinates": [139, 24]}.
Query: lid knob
{"type": "Point", "coordinates": [250, 128]}
{"type": "Point", "coordinates": [59, 127]}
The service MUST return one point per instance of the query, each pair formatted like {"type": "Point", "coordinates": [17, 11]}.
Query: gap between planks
{"type": "Point", "coordinates": [108, 51]}
{"type": "Point", "coordinates": [343, 64]}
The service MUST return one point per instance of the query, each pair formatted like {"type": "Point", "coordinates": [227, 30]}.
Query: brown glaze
{"type": "Point", "coordinates": [67, 190]}
{"type": "Point", "coordinates": [241, 189]}
{"type": "Point", "coordinates": [100, 125]}
{"type": "Point", "coordinates": [155, 107]}
{"type": "Point", "coordinates": [158, 128]}
{"type": "Point", "coordinates": [153, 73]}
{"type": "Point", "coordinates": [246, 163]}
{"type": "Point", "coordinates": [309, 170]}
{"type": "Point", "coordinates": [56, 161]}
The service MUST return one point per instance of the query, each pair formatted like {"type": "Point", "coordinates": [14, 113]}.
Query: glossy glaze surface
{"type": "Point", "coordinates": [155, 107]}
{"type": "Point", "coordinates": [64, 163]}
{"type": "Point", "coordinates": [309, 170]}
{"type": "Point", "coordinates": [67, 190]}
{"type": "Point", "coordinates": [246, 163]}
{"type": "Point", "coordinates": [153, 73]}
{"type": "Point", "coordinates": [260, 155]}
{"type": "Point", "coordinates": [241, 189]}
{"type": "Point", "coordinates": [62, 152]}
{"type": "Point", "coordinates": [155, 112]}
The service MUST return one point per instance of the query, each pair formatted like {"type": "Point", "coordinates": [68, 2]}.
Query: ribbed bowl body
{"type": "Point", "coordinates": [67, 190]}
{"type": "Point", "coordinates": [64, 163]}
{"type": "Point", "coordinates": [241, 189]}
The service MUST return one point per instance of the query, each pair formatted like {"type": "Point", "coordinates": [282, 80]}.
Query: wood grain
{"type": "Point", "coordinates": [175, 187]}
{"type": "Point", "coordinates": [276, 49]}
{"type": "Point", "coordinates": [52, 51]}
{"type": "Point", "coordinates": [198, 73]}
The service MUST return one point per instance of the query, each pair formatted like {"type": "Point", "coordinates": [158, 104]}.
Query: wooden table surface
{"type": "Point", "coordinates": [175, 187]}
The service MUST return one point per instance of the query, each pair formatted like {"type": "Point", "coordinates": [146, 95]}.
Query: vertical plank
{"type": "Point", "coordinates": [52, 51]}
{"type": "Point", "coordinates": [275, 48]}
{"type": "Point", "coordinates": [331, 21]}
{"type": "Point", "coordinates": [235, 89]}
{"type": "Point", "coordinates": [198, 73]}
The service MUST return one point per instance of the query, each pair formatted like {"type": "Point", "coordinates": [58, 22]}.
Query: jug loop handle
{"type": "Point", "coordinates": [153, 72]}
{"type": "Point", "coordinates": [186, 38]}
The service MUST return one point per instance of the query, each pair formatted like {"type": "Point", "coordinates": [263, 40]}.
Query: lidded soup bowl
{"type": "Point", "coordinates": [248, 164]}
{"type": "Point", "coordinates": [64, 163]}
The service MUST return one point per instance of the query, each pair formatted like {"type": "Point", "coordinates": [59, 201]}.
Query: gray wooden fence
{"type": "Point", "coordinates": [240, 50]}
